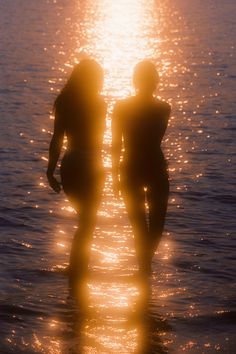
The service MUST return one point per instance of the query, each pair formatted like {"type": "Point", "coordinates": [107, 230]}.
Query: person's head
{"type": "Point", "coordinates": [145, 77]}
{"type": "Point", "coordinates": [85, 81]}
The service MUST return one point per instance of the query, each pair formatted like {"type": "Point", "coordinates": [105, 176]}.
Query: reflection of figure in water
{"type": "Point", "coordinates": [80, 117]}
{"type": "Point", "coordinates": [140, 122]}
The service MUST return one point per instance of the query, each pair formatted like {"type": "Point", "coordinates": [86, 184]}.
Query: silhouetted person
{"type": "Point", "coordinates": [80, 117]}
{"type": "Point", "coordinates": [139, 167]}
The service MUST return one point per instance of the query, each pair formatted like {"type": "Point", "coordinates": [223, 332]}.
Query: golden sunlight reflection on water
{"type": "Point", "coordinates": [118, 35]}
{"type": "Point", "coordinates": [190, 287]}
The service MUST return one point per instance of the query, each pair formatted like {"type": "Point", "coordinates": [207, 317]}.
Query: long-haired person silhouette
{"type": "Point", "coordinates": [80, 117]}
{"type": "Point", "coordinates": [139, 167]}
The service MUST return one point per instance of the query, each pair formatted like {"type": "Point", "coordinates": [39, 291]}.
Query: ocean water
{"type": "Point", "coordinates": [193, 305]}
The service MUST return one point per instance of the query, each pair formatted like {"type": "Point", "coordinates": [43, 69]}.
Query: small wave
{"type": "Point", "coordinates": [218, 318]}
{"type": "Point", "coordinates": [11, 309]}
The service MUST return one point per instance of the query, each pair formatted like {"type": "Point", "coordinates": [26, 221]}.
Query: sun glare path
{"type": "Point", "coordinates": [114, 36]}
{"type": "Point", "coordinates": [118, 35]}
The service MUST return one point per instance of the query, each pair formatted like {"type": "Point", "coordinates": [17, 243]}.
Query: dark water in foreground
{"type": "Point", "coordinates": [193, 308]}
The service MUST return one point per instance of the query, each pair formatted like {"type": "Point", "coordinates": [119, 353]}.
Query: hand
{"type": "Point", "coordinates": [54, 184]}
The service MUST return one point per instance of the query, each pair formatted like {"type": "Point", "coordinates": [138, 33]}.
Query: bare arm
{"type": "Point", "coordinates": [116, 148]}
{"type": "Point", "coordinates": [54, 153]}
{"type": "Point", "coordinates": [166, 116]}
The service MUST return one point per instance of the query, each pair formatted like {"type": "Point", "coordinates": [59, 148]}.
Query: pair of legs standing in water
{"type": "Point", "coordinates": [138, 126]}
{"type": "Point", "coordinates": [83, 187]}
{"type": "Point", "coordinates": [146, 203]}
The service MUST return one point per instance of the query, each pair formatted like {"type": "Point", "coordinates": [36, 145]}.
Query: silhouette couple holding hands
{"type": "Point", "coordinates": [139, 168]}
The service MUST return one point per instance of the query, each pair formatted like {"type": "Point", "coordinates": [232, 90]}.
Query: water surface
{"type": "Point", "coordinates": [193, 303]}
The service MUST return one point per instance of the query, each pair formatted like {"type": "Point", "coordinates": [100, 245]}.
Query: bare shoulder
{"type": "Point", "coordinates": [164, 106]}
{"type": "Point", "coordinates": [122, 105]}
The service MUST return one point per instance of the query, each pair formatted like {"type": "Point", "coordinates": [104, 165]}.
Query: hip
{"type": "Point", "coordinates": [145, 171]}
{"type": "Point", "coordinates": [76, 166]}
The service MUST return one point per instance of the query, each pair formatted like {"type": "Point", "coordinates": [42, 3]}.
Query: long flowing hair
{"type": "Point", "coordinates": [86, 79]}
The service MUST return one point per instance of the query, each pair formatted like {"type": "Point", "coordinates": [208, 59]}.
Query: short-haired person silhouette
{"type": "Point", "coordinates": [80, 117]}
{"type": "Point", "coordinates": [138, 164]}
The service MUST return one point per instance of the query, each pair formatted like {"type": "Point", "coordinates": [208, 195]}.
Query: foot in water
{"type": "Point", "coordinates": [78, 290]}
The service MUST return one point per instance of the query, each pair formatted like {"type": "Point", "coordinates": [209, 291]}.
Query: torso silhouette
{"type": "Point", "coordinates": [81, 168]}
{"type": "Point", "coordinates": [84, 127]}
{"type": "Point", "coordinates": [143, 124]}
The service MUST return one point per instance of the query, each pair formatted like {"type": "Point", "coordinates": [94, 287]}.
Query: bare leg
{"type": "Point", "coordinates": [83, 187]}
{"type": "Point", "coordinates": [80, 248]}
{"type": "Point", "coordinates": [135, 203]}
{"type": "Point", "coordinates": [157, 197]}
{"type": "Point", "coordinates": [79, 256]}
